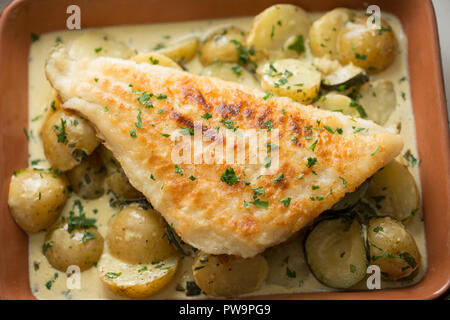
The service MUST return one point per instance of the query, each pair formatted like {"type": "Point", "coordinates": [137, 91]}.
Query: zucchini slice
{"type": "Point", "coordinates": [336, 253]}
{"type": "Point", "coordinates": [344, 77]}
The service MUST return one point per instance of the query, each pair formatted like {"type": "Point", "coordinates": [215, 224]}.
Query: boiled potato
{"type": "Point", "coordinates": [136, 235]}
{"type": "Point", "coordinates": [156, 58]}
{"type": "Point", "coordinates": [110, 162]}
{"type": "Point", "coordinates": [372, 50]}
{"type": "Point", "coordinates": [220, 46]}
{"type": "Point", "coordinates": [324, 32]}
{"type": "Point", "coordinates": [231, 72]}
{"type": "Point", "coordinates": [291, 78]}
{"type": "Point", "coordinates": [36, 198]}
{"type": "Point", "coordinates": [394, 191]}
{"type": "Point", "coordinates": [136, 281]}
{"type": "Point", "coordinates": [87, 179]}
{"type": "Point", "coordinates": [279, 32]}
{"type": "Point", "coordinates": [334, 101]}
{"type": "Point", "coordinates": [122, 188]}
{"type": "Point", "coordinates": [181, 51]}
{"type": "Point", "coordinates": [378, 99]}
{"type": "Point", "coordinates": [93, 44]}
{"type": "Point", "coordinates": [67, 139]}
{"type": "Point", "coordinates": [81, 247]}
{"type": "Point", "coordinates": [392, 248]}
{"type": "Point", "coordinates": [229, 276]}
{"type": "Point", "coordinates": [326, 65]}
{"type": "Point", "coordinates": [117, 181]}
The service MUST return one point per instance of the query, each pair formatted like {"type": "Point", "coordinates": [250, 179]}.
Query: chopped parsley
{"type": "Point", "coordinates": [229, 177]}
{"type": "Point", "coordinates": [206, 116]}
{"type": "Point", "coordinates": [178, 170]}
{"type": "Point", "coordinates": [286, 201]}
{"type": "Point", "coordinates": [290, 273]}
{"type": "Point", "coordinates": [298, 45]}
{"type": "Point", "coordinates": [138, 124]}
{"type": "Point", "coordinates": [229, 124]}
{"type": "Point", "coordinates": [375, 151]}
{"type": "Point", "coordinates": [187, 131]}
{"type": "Point", "coordinates": [61, 132]}
{"type": "Point", "coordinates": [113, 275]}
{"type": "Point", "coordinates": [279, 178]}
{"type": "Point", "coordinates": [311, 162]}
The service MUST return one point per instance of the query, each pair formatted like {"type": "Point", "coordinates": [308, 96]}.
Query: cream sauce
{"type": "Point", "coordinates": [144, 38]}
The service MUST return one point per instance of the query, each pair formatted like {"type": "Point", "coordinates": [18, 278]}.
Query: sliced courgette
{"type": "Point", "coordinates": [344, 78]}
{"type": "Point", "coordinates": [336, 253]}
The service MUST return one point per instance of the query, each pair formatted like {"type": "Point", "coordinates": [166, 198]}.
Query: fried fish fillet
{"type": "Point", "coordinates": [140, 109]}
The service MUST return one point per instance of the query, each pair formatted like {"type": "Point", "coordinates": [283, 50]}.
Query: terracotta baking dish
{"type": "Point", "coordinates": [24, 17]}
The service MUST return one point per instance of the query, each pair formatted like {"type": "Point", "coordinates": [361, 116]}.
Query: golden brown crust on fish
{"type": "Point", "coordinates": [316, 148]}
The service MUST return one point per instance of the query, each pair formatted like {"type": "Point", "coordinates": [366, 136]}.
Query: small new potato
{"type": "Point", "coordinates": [371, 49]}
{"type": "Point", "coordinates": [110, 162]}
{"type": "Point", "coordinates": [291, 78]}
{"type": "Point", "coordinates": [155, 58]}
{"type": "Point", "coordinates": [80, 247]}
{"type": "Point", "coordinates": [87, 179]}
{"type": "Point", "coordinates": [378, 98]}
{"type": "Point", "coordinates": [136, 235]}
{"type": "Point", "coordinates": [136, 281]}
{"type": "Point", "coordinates": [220, 46]}
{"type": "Point", "coordinates": [67, 139]}
{"type": "Point", "coordinates": [279, 32]}
{"type": "Point", "coordinates": [36, 198]}
{"type": "Point", "coordinates": [121, 186]}
{"type": "Point", "coordinates": [392, 248]}
{"type": "Point", "coordinates": [229, 276]}
{"type": "Point", "coordinates": [393, 191]}
{"type": "Point", "coordinates": [182, 50]}
{"type": "Point", "coordinates": [337, 102]}
{"type": "Point", "coordinates": [324, 32]}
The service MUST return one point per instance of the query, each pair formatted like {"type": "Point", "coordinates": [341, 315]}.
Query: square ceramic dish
{"type": "Point", "coordinates": [24, 17]}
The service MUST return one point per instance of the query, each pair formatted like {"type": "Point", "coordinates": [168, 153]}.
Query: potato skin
{"type": "Point", "coordinates": [136, 281]}
{"type": "Point", "coordinates": [372, 50]}
{"type": "Point", "coordinates": [182, 50]}
{"type": "Point", "coordinates": [324, 31]}
{"type": "Point", "coordinates": [87, 179]}
{"type": "Point", "coordinates": [65, 249]}
{"type": "Point", "coordinates": [392, 248]}
{"type": "Point", "coordinates": [67, 139]}
{"type": "Point", "coordinates": [155, 58]}
{"type": "Point", "coordinates": [220, 46]}
{"type": "Point", "coordinates": [36, 198]}
{"type": "Point", "coordinates": [229, 276]}
{"type": "Point", "coordinates": [119, 184]}
{"type": "Point", "coordinates": [136, 235]}
{"type": "Point", "coordinates": [276, 29]}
